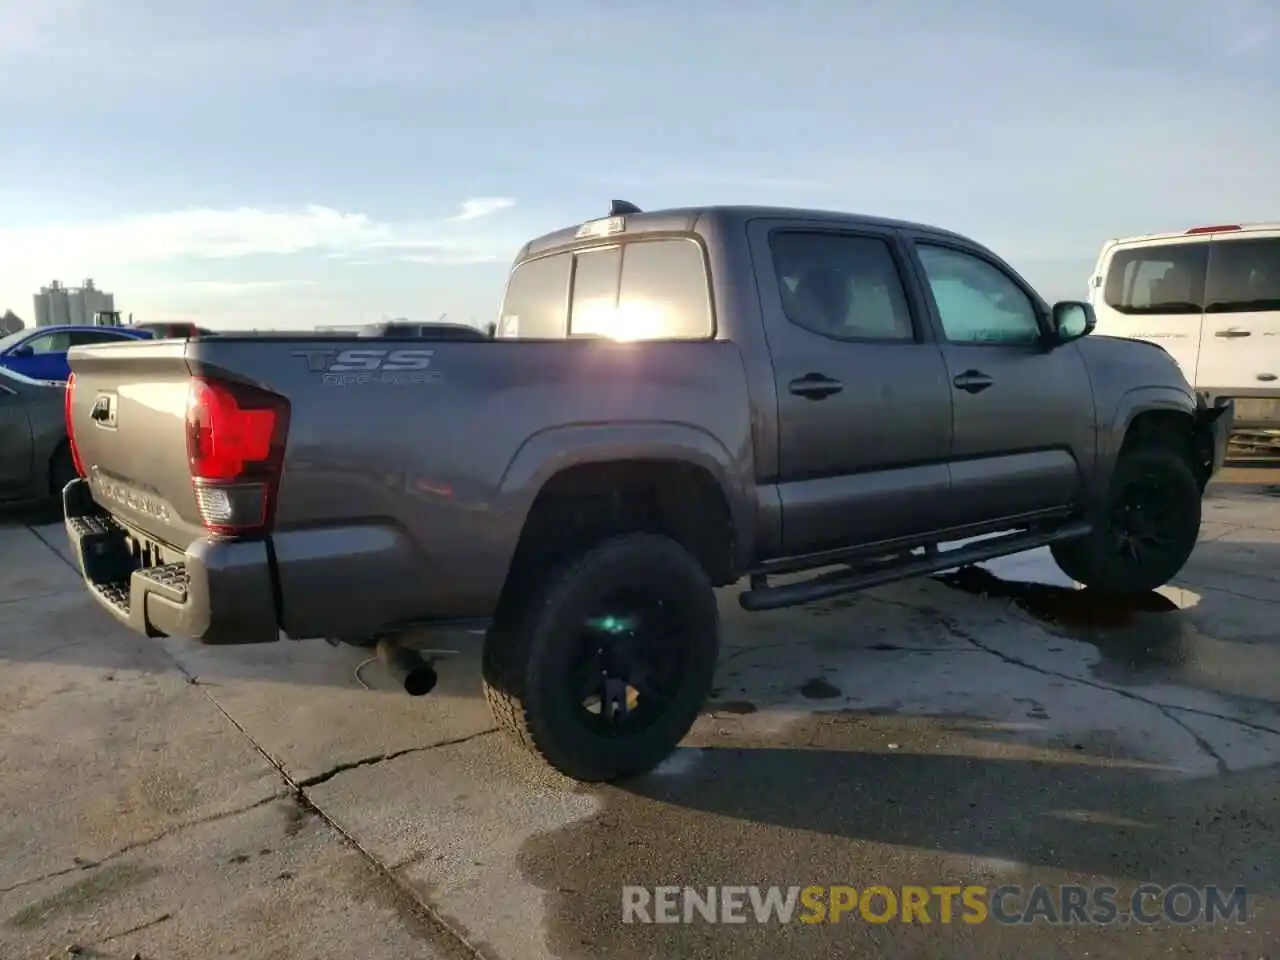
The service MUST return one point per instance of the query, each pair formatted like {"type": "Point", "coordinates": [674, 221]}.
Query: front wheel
{"type": "Point", "coordinates": [1146, 530]}
{"type": "Point", "coordinates": [606, 667]}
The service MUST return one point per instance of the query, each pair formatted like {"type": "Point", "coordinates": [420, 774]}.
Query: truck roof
{"type": "Point", "coordinates": [687, 220]}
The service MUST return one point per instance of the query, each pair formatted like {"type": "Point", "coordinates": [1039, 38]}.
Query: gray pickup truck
{"type": "Point", "coordinates": [670, 402]}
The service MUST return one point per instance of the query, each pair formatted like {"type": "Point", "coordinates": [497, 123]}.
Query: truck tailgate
{"type": "Point", "coordinates": [128, 417]}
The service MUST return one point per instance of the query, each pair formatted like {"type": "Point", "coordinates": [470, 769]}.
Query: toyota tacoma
{"type": "Point", "coordinates": [808, 402]}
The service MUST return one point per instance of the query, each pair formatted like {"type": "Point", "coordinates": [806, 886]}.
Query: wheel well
{"type": "Point", "coordinates": [1171, 430]}
{"type": "Point", "coordinates": [584, 504]}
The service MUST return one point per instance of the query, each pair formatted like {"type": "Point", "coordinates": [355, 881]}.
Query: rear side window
{"type": "Point", "coordinates": [1244, 275]}
{"type": "Point", "coordinates": [642, 290]}
{"type": "Point", "coordinates": [1166, 279]}
{"type": "Point", "coordinates": [663, 293]}
{"type": "Point", "coordinates": [537, 295]}
{"type": "Point", "coordinates": [841, 286]}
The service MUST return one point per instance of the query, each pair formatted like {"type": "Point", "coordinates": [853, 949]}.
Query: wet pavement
{"type": "Point", "coordinates": [992, 726]}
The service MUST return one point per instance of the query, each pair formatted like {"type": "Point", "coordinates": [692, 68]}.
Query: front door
{"type": "Point", "coordinates": [1023, 429]}
{"type": "Point", "coordinates": [46, 356]}
{"type": "Point", "coordinates": [864, 407]}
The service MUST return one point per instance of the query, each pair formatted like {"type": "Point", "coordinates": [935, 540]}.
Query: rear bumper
{"type": "Point", "coordinates": [219, 593]}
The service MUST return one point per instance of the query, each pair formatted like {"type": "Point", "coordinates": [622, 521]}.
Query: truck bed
{"type": "Point", "coordinates": [408, 467]}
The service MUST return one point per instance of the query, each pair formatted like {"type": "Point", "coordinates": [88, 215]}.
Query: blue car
{"type": "Point", "coordinates": [41, 352]}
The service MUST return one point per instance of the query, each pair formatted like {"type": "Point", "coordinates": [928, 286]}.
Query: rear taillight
{"type": "Point", "coordinates": [68, 408]}
{"type": "Point", "coordinates": [235, 448]}
{"type": "Point", "coordinates": [1217, 228]}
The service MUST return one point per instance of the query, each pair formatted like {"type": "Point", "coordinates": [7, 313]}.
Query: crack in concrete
{"type": "Point", "coordinates": [299, 791]}
{"type": "Point", "coordinates": [145, 842]}
{"type": "Point", "coordinates": [327, 775]}
{"type": "Point", "coordinates": [1204, 745]}
{"type": "Point", "coordinates": [959, 632]}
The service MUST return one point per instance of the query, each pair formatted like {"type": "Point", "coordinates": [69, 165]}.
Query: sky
{"type": "Point", "coordinates": [286, 163]}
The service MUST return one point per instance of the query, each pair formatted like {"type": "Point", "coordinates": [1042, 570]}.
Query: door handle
{"type": "Point", "coordinates": [1232, 334]}
{"type": "Point", "coordinates": [972, 381]}
{"type": "Point", "coordinates": [814, 386]}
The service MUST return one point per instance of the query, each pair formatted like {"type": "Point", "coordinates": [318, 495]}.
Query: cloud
{"type": "Point", "coordinates": [483, 207]}
{"type": "Point", "coordinates": [79, 249]}
{"type": "Point", "coordinates": [203, 289]}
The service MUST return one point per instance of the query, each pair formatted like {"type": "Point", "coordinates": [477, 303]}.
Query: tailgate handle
{"type": "Point", "coordinates": [101, 410]}
{"type": "Point", "coordinates": [1232, 333]}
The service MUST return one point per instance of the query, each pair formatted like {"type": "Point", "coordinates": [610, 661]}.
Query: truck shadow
{"type": "Point", "coordinates": [845, 814]}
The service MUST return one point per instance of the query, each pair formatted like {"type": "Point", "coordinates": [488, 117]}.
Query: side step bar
{"type": "Point", "coordinates": [765, 597]}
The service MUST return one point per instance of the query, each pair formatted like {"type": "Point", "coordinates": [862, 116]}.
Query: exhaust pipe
{"type": "Point", "coordinates": [411, 669]}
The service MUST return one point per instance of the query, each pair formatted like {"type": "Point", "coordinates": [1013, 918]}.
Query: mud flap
{"type": "Point", "coordinates": [1212, 434]}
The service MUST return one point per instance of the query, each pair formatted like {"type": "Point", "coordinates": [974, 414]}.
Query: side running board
{"type": "Point", "coordinates": [761, 596]}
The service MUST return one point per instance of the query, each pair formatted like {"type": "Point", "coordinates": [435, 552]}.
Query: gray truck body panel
{"type": "Point", "coordinates": [403, 498]}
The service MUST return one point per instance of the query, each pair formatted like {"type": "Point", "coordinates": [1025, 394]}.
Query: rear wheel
{"type": "Point", "coordinates": [1146, 530]}
{"type": "Point", "coordinates": [605, 666]}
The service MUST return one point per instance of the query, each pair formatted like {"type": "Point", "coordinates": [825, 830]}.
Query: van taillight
{"type": "Point", "coordinates": [1220, 228]}
{"type": "Point", "coordinates": [68, 407]}
{"type": "Point", "coordinates": [235, 448]}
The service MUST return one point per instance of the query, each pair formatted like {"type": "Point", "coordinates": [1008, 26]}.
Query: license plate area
{"type": "Point", "coordinates": [146, 552]}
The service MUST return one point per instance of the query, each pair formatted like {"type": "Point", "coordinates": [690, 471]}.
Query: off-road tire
{"type": "Point", "coordinates": [1092, 560]}
{"type": "Point", "coordinates": [524, 657]}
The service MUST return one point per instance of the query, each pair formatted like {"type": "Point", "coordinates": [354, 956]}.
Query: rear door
{"type": "Point", "coordinates": [1155, 291]}
{"type": "Point", "coordinates": [1023, 411]}
{"type": "Point", "coordinates": [864, 409]}
{"type": "Point", "coordinates": [1240, 349]}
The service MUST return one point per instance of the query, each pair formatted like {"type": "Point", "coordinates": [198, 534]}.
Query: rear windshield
{"type": "Point", "coordinates": [1225, 276]}
{"type": "Point", "coordinates": [1161, 279]}
{"type": "Point", "coordinates": [640, 290]}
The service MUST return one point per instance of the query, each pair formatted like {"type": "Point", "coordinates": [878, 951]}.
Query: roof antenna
{"type": "Point", "coordinates": [619, 207]}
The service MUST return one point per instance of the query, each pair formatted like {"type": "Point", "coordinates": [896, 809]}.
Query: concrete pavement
{"type": "Point", "coordinates": [984, 728]}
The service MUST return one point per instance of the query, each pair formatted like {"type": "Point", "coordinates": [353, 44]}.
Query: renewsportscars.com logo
{"type": "Point", "coordinates": [1067, 904]}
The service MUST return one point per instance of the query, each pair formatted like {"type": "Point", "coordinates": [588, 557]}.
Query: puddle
{"type": "Point", "coordinates": [819, 689]}
{"type": "Point", "coordinates": [1146, 633]}
{"type": "Point", "coordinates": [1064, 606]}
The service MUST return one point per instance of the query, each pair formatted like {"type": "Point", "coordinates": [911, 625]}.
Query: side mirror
{"type": "Point", "coordinates": [1071, 320]}
{"type": "Point", "coordinates": [22, 351]}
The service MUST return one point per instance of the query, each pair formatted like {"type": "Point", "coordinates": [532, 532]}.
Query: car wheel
{"type": "Point", "coordinates": [605, 668]}
{"type": "Point", "coordinates": [1146, 530]}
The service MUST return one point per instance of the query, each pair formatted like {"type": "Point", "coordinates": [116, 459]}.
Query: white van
{"type": "Point", "coordinates": [1211, 298]}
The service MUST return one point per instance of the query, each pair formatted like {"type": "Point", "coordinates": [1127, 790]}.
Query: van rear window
{"type": "Point", "coordinates": [640, 290]}
{"type": "Point", "coordinates": [1167, 279]}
